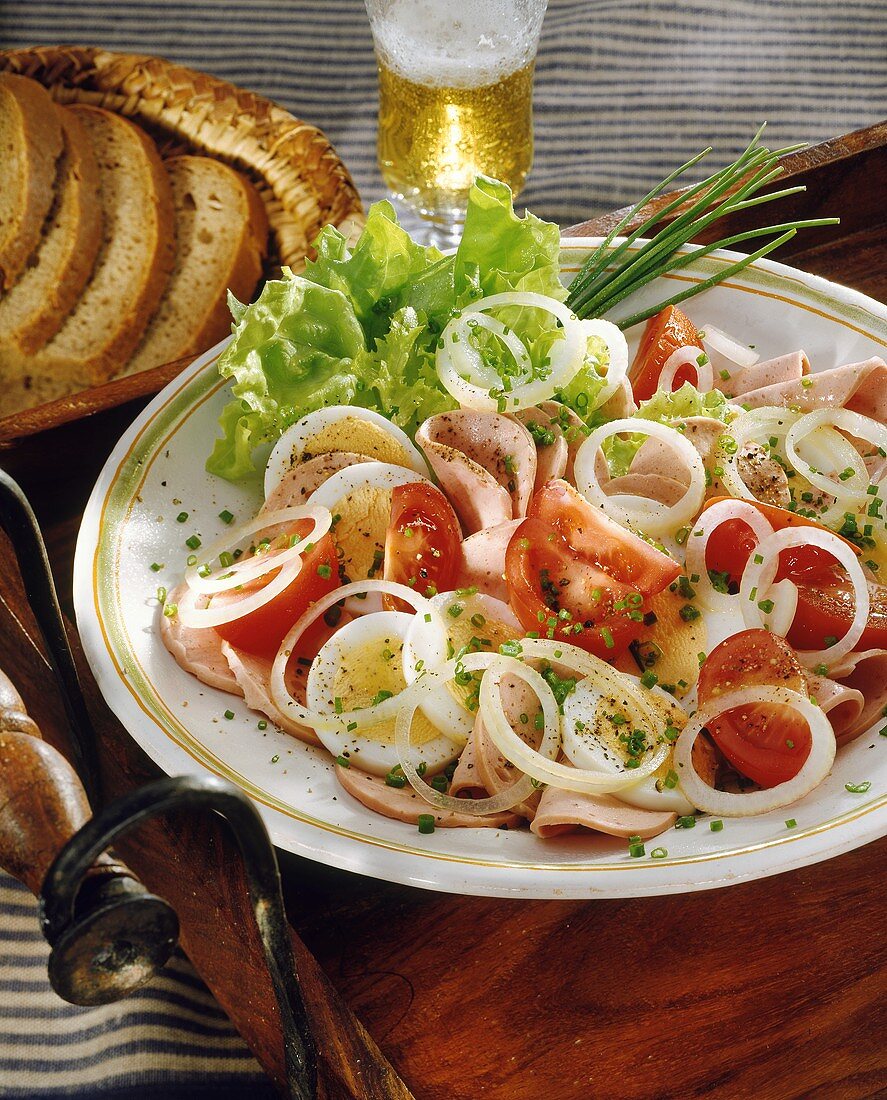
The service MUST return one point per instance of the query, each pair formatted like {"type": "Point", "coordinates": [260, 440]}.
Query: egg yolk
{"type": "Point", "coordinates": [351, 433]}
{"type": "Point", "coordinates": [363, 672]}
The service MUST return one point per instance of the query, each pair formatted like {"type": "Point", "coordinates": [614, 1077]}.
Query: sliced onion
{"type": "Point", "coordinates": [468, 359]}
{"type": "Point", "coordinates": [758, 577]}
{"type": "Point", "coordinates": [617, 358]}
{"type": "Point", "coordinates": [567, 355]}
{"type": "Point", "coordinates": [523, 787]}
{"type": "Point", "coordinates": [853, 490]}
{"type": "Point", "coordinates": [364, 716]}
{"type": "Point", "coordinates": [724, 344]}
{"type": "Point", "coordinates": [250, 569]}
{"type": "Point", "coordinates": [697, 544]}
{"type": "Point", "coordinates": [687, 356]}
{"type": "Point", "coordinates": [726, 804]}
{"type": "Point", "coordinates": [649, 516]}
{"type": "Point", "coordinates": [533, 763]}
{"type": "Point", "coordinates": [767, 421]}
{"type": "Point", "coordinates": [199, 618]}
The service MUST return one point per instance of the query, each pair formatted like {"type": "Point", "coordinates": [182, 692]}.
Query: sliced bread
{"type": "Point", "coordinates": [131, 270]}
{"type": "Point", "coordinates": [33, 311]}
{"type": "Point", "coordinates": [221, 242]}
{"type": "Point", "coordinates": [30, 146]}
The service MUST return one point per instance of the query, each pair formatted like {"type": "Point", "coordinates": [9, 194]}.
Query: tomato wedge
{"type": "Point", "coordinates": [262, 631]}
{"type": "Point", "coordinates": [825, 595]}
{"type": "Point", "coordinates": [558, 593]}
{"type": "Point", "coordinates": [601, 541]}
{"type": "Point", "coordinates": [667, 331]}
{"type": "Point", "coordinates": [767, 744]}
{"type": "Point", "coordinates": [423, 544]}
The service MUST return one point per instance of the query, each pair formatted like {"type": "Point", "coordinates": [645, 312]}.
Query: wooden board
{"type": "Point", "coordinates": [765, 990]}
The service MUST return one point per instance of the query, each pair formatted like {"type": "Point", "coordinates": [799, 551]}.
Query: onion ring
{"type": "Point", "coordinates": [697, 544]}
{"type": "Point", "coordinates": [758, 576]}
{"type": "Point", "coordinates": [523, 787]}
{"type": "Point", "coordinates": [725, 804]}
{"type": "Point", "coordinates": [633, 511]}
{"type": "Point", "coordinates": [250, 569]}
{"type": "Point", "coordinates": [687, 356]}
{"type": "Point", "coordinates": [567, 355]}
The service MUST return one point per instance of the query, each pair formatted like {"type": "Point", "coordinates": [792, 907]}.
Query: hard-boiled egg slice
{"type": "Point", "coordinates": [594, 734]}
{"type": "Point", "coordinates": [341, 428]}
{"type": "Point", "coordinates": [361, 660]}
{"type": "Point", "coordinates": [359, 498]}
{"type": "Point", "coordinates": [462, 621]}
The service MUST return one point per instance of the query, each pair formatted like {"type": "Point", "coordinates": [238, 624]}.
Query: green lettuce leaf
{"type": "Point", "coordinates": [362, 324]}
{"type": "Point", "coordinates": [291, 354]}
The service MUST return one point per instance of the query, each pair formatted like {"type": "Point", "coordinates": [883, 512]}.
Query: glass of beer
{"type": "Point", "coordinates": [455, 100]}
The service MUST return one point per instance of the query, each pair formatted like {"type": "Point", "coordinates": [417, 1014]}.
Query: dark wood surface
{"type": "Point", "coordinates": [771, 989]}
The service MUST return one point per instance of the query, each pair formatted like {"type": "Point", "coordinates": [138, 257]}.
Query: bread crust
{"type": "Point", "coordinates": [38, 145]}
{"type": "Point", "coordinates": [78, 212]}
{"type": "Point", "coordinates": [246, 269]}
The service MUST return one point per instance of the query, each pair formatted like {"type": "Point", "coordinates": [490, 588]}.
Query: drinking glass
{"type": "Point", "coordinates": [455, 100]}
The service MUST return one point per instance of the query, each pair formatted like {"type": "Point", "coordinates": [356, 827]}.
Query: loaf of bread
{"type": "Point", "coordinates": [111, 260]}
{"type": "Point", "coordinates": [30, 146]}
{"type": "Point", "coordinates": [221, 240]}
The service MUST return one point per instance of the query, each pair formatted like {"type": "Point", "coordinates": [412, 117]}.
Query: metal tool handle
{"type": "Point", "coordinates": [62, 883]}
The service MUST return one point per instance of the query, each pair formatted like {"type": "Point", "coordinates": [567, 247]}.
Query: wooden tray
{"type": "Point", "coordinates": [299, 176]}
{"type": "Point", "coordinates": [770, 989]}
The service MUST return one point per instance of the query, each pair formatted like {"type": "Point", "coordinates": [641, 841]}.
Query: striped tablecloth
{"type": "Point", "coordinates": [625, 91]}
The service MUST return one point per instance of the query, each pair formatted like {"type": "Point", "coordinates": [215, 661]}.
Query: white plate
{"type": "Point", "coordinates": [156, 471]}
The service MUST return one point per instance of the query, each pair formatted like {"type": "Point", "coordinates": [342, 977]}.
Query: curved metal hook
{"type": "Point", "coordinates": [64, 877]}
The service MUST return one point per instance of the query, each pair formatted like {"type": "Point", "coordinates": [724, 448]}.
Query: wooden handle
{"type": "Point", "coordinates": [42, 802]}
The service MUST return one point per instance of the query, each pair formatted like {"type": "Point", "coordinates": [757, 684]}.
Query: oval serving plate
{"type": "Point", "coordinates": [156, 472]}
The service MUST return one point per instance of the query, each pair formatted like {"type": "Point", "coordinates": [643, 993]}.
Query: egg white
{"type": "Point", "coordinates": [341, 428]}
{"type": "Point", "coordinates": [591, 741]}
{"type": "Point", "coordinates": [354, 666]}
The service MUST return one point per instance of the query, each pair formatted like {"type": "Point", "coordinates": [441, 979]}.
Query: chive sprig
{"type": "Point", "coordinates": [611, 274]}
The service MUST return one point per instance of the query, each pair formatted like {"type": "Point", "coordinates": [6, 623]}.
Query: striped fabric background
{"type": "Point", "coordinates": [625, 91]}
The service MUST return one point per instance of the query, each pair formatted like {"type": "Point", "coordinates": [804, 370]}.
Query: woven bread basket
{"type": "Point", "coordinates": [299, 175]}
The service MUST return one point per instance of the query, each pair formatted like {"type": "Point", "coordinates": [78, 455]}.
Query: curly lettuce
{"type": "Point", "coordinates": [361, 324]}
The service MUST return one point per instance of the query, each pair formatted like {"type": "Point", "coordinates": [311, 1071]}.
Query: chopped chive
{"type": "Point", "coordinates": [455, 610]}
{"type": "Point", "coordinates": [161, 594]}
{"type": "Point", "coordinates": [671, 779]}
{"type": "Point", "coordinates": [791, 823]}
{"type": "Point", "coordinates": [716, 826]}
{"type": "Point", "coordinates": [155, 567]}
{"type": "Point", "coordinates": [225, 516]}
{"type": "Point", "coordinates": [325, 571]}
{"type": "Point", "coordinates": [182, 517]}
{"type": "Point", "coordinates": [858, 788]}
{"type": "Point", "coordinates": [262, 724]}
{"type": "Point", "coordinates": [660, 853]}
{"type": "Point", "coordinates": [425, 823]}
{"type": "Point", "coordinates": [343, 761]}
{"type": "Point", "coordinates": [607, 635]}
{"type": "Point", "coordinates": [170, 610]}
{"type": "Point", "coordinates": [636, 849]}
{"type": "Point", "coordinates": [688, 821]}
{"type": "Point", "coordinates": [193, 542]}
{"type": "Point", "coordinates": [229, 714]}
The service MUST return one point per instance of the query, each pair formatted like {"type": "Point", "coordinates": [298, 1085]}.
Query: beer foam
{"type": "Point", "coordinates": [430, 43]}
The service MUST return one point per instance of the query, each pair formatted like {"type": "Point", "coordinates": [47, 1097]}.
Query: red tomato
{"type": "Point", "coordinates": [423, 544]}
{"type": "Point", "coordinates": [825, 596]}
{"type": "Point", "coordinates": [262, 631]}
{"type": "Point", "coordinates": [547, 577]}
{"type": "Point", "coordinates": [768, 744]}
{"type": "Point", "coordinates": [669, 330]}
{"type": "Point", "coordinates": [600, 540]}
